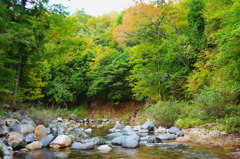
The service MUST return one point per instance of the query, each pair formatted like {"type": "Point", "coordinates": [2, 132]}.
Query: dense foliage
{"type": "Point", "coordinates": [180, 54]}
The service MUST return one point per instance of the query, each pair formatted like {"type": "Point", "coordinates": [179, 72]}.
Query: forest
{"type": "Point", "coordinates": [180, 58]}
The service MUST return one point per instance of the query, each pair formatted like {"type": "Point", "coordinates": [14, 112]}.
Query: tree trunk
{"type": "Point", "coordinates": [16, 85]}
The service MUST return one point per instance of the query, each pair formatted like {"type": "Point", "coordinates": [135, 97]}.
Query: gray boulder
{"type": "Point", "coordinates": [118, 126]}
{"type": "Point", "coordinates": [130, 143]}
{"type": "Point", "coordinates": [4, 130]}
{"type": "Point", "coordinates": [29, 138]}
{"type": "Point", "coordinates": [85, 146]}
{"type": "Point", "coordinates": [15, 140]}
{"type": "Point", "coordinates": [26, 128]}
{"type": "Point", "coordinates": [118, 140]}
{"type": "Point", "coordinates": [167, 137]}
{"type": "Point", "coordinates": [148, 125]}
{"type": "Point", "coordinates": [114, 135]}
{"type": "Point", "coordinates": [26, 120]}
{"type": "Point", "coordinates": [14, 127]}
{"type": "Point", "coordinates": [7, 151]}
{"type": "Point", "coordinates": [174, 130]}
{"type": "Point", "coordinates": [46, 140]}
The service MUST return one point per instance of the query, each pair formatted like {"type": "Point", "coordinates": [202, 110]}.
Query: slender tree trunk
{"type": "Point", "coordinates": [16, 85]}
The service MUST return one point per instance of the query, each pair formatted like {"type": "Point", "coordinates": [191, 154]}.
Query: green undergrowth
{"type": "Point", "coordinates": [210, 106]}
{"type": "Point", "coordinates": [39, 113]}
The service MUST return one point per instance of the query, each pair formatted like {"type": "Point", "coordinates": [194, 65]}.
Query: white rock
{"type": "Point", "coordinates": [61, 141]}
{"type": "Point", "coordinates": [104, 148]}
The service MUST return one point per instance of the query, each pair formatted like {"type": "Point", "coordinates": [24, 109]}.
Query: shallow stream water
{"type": "Point", "coordinates": [166, 150]}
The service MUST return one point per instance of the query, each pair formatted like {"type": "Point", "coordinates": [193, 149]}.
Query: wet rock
{"type": "Point", "coordinates": [118, 126]}
{"type": "Point", "coordinates": [9, 121]}
{"type": "Point", "coordinates": [59, 119]}
{"type": "Point", "coordinates": [174, 130]}
{"type": "Point", "coordinates": [148, 125]}
{"type": "Point", "coordinates": [61, 141]}
{"type": "Point", "coordinates": [40, 132]}
{"type": "Point", "coordinates": [167, 137]}
{"type": "Point", "coordinates": [2, 122]}
{"type": "Point", "coordinates": [88, 131]}
{"type": "Point", "coordinates": [7, 151]}
{"type": "Point", "coordinates": [118, 140]}
{"type": "Point", "coordinates": [85, 146]}
{"type": "Point", "coordinates": [46, 140]}
{"type": "Point", "coordinates": [133, 137]}
{"type": "Point", "coordinates": [104, 148]}
{"type": "Point", "coordinates": [57, 128]}
{"type": "Point", "coordinates": [4, 130]}
{"type": "Point", "coordinates": [14, 126]}
{"type": "Point", "coordinates": [137, 128]}
{"type": "Point", "coordinates": [26, 120]}
{"type": "Point", "coordinates": [180, 133]}
{"type": "Point", "coordinates": [29, 138]}
{"type": "Point", "coordinates": [130, 143]}
{"type": "Point", "coordinates": [26, 128]}
{"type": "Point", "coordinates": [16, 140]}
{"type": "Point", "coordinates": [114, 135]}
{"type": "Point", "coordinates": [154, 139]}
{"type": "Point", "coordinates": [36, 145]}
{"type": "Point", "coordinates": [234, 155]}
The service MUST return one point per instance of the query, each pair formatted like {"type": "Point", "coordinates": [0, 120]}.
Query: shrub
{"type": "Point", "coordinates": [164, 113]}
{"type": "Point", "coordinates": [187, 123]}
{"type": "Point", "coordinates": [212, 103]}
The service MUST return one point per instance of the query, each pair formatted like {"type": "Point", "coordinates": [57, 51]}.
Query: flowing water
{"type": "Point", "coordinates": [167, 150]}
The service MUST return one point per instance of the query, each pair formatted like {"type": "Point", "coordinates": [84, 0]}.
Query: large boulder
{"type": "Point", "coordinates": [6, 151]}
{"type": "Point", "coordinates": [118, 126]}
{"type": "Point", "coordinates": [16, 140]}
{"type": "Point", "coordinates": [167, 137]}
{"type": "Point", "coordinates": [14, 126]}
{"type": "Point", "coordinates": [57, 128]}
{"type": "Point", "coordinates": [61, 141]}
{"type": "Point", "coordinates": [26, 128]}
{"type": "Point", "coordinates": [174, 130]}
{"type": "Point", "coordinates": [29, 138]}
{"type": "Point", "coordinates": [85, 146]}
{"type": "Point", "coordinates": [36, 145]}
{"type": "Point", "coordinates": [148, 125]}
{"type": "Point", "coordinates": [130, 143]}
{"type": "Point", "coordinates": [40, 132]}
{"type": "Point", "coordinates": [104, 148]}
{"type": "Point", "coordinates": [118, 140]}
{"type": "Point", "coordinates": [24, 119]}
{"type": "Point", "coordinates": [114, 135]}
{"type": "Point", "coordinates": [3, 130]}
{"type": "Point", "coordinates": [46, 140]}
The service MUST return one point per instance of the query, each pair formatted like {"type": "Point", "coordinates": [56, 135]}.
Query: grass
{"type": "Point", "coordinates": [42, 114]}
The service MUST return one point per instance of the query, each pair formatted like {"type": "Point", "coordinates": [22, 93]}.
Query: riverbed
{"type": "Point", "coordinates": [165, 150]}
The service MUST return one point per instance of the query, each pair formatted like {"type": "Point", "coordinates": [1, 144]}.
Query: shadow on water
{"type": "Point", "coordinates": [167, 150]}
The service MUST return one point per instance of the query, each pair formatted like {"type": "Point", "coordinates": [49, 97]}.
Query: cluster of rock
{"type": "Point", "coordinates": [132, 137]}
{"type": "Point", "coordinates": [23, 135]}
{"type": "Point", "coordinates": [203, 136]}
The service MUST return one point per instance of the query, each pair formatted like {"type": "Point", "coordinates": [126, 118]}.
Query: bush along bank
{"type": "Point", "coordinates": [202, 124]}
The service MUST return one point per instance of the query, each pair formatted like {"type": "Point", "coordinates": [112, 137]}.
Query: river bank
{"type": "Point", "coordinates": [23, 136]}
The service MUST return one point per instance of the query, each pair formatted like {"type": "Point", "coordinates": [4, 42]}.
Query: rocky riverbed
{"type": "Point", "coordinates": [20, 136]}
